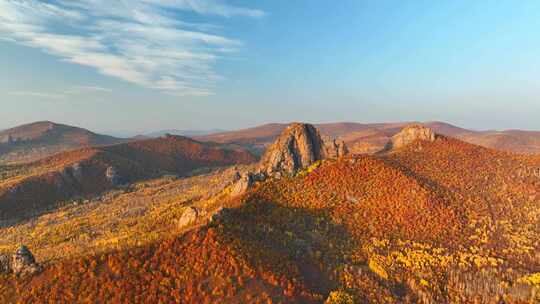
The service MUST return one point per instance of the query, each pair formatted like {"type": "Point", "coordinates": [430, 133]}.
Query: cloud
{"type": "Point", "coordinates": [73, 91]}
{"type": "Point", "coordinates": [39, 94]}
{"type": "Point", "coordinates": [140, 41]}
{"type": "Point", "coordinates": [88, 89]}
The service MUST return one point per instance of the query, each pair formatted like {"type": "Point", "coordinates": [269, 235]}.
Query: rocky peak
{"type": "Point", "coordinates": [298, 146]}
{"type": "Point", "coordinates": [410, 134]}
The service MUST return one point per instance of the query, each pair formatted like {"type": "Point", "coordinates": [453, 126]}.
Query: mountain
{"type": "Point", "coordinates": [527, 142]}
{"type": "Point", "coordinates": [29, 189]}
{"type": "Point", "coordinates": [40, 139]}
{"type": "Point", "coordinates": [371, 138]}
{"type": "Point", "coordinates": [187, 133]}
{"type": "Point", "coordinates": [432, 220]}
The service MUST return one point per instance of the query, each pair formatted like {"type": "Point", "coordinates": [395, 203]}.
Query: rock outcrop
{"type": "Point", "coordinates": [336, 149]}
{"type": "Point", "coordinates": [23, 262]}
{"type": "Point", "coordinates": [190, 216]}
{"type": "Point", "coordinates": [5, 264]}
{"type": "Point", "coordinates": [409, 135]}
{"type": "Point", "coordinates": [113, 176]}
{"type": "Point", "coordinates": [299, 146]}
{"type": "Point", "coordinates": [242, 183]}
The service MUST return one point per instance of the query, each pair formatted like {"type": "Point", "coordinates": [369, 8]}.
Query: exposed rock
{"type": "Point", "coordinates": [113, 176]}
{"type": "Point", "coordinates": [23, 262]}
{"type": "Point", "coordinates": [299, 146]}
{"type": "Point", "coordinates": [243, 183]}
{"type": "Point", "coordinates": [409, 135]}
{"type": "Point", "coordinates": [336, 149]}
{"type": "Point", "coordinates": [190, 216]}
{"type": "Point", "coordinates": [5, 265]}
{"type": "Point", "coordinates": [351, 199]}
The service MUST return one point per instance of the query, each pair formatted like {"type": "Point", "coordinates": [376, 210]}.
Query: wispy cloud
{"type": "Point", "coordinates": [88, 89]}
{"type": "Point", "coordinates": [39, 94]}
{"type": "Point", "coordinates": [71, 92]}
{"type": "Point", "coordinates": [140, 41]}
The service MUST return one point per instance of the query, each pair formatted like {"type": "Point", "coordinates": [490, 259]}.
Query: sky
{"type": "Point", "coordinates": [135, 66]}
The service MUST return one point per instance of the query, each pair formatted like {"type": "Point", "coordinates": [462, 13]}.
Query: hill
{"type": "Point", "coordinates": [371, 138]}
{"type": "Point", "coordinates": [187, 133]}
{"type": "Point", "coordinates": [40, 139]}
{"type": "Point", "coordinates": [29, 189]}
{"type": "Point", "coordinates": [439, 221]}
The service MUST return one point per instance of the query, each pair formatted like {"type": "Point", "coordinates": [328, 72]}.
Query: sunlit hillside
{"type": "Point", "coordinates": [389, 228]}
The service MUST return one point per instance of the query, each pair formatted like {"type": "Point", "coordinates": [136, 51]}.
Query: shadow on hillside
{"type": "Point", "coordinates": [450, 199]}
{"type": "Point", "coordinates": [278, 238]}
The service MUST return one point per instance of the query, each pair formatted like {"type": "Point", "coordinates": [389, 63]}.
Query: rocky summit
{"type": "Point", "coordinates": [410, 134]}
{"type": "Point", "coordinates": [298, 146]}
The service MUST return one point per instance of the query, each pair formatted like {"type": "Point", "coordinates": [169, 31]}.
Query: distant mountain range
{"type": "Point", "coordinates": [370, 138]}
{"type": "Point", "coordinates": [41, 139]}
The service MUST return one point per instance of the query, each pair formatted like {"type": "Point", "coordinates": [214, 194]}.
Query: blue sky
{"type": "Point", "coordinates": [135, 66]}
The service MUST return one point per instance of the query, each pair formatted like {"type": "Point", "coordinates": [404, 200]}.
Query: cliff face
{"type": "Point", "coordinates": [299, 146]}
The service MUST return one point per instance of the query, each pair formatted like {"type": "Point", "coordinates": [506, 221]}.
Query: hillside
{"type": "Point", "coordinates": [40, 139]}
{"type": "Point", "coordinates": [28, 189]}
{"type": "Point", "coordinates": [439, 221]}
{"type": "Point", "coordinates": [371, 138]}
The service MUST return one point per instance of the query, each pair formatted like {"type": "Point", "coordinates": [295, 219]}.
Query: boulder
{"type": "Point", "coordinates": [243, 183]}
{"type": "Point", "coordinates": [23, 262]}
{"type": "Point", "coordinates": [410, 134]}
{"type": "Point", "coordinates": [190, 216]}
{"type": "Point", "coordinates": [299, 146]}
{"type": "Point", "coordinates": [5, 265]}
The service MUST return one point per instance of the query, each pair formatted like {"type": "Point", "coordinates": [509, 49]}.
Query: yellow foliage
{"type": "Point", "coordinates": [533, 279]}
{"type": "Point", "coordinates": [375, 266]}
{"type": "Point", "coordinates": [339, 297]}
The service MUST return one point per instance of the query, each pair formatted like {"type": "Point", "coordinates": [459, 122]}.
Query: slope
{"type": "Point", "coordinates": [27, 190]}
